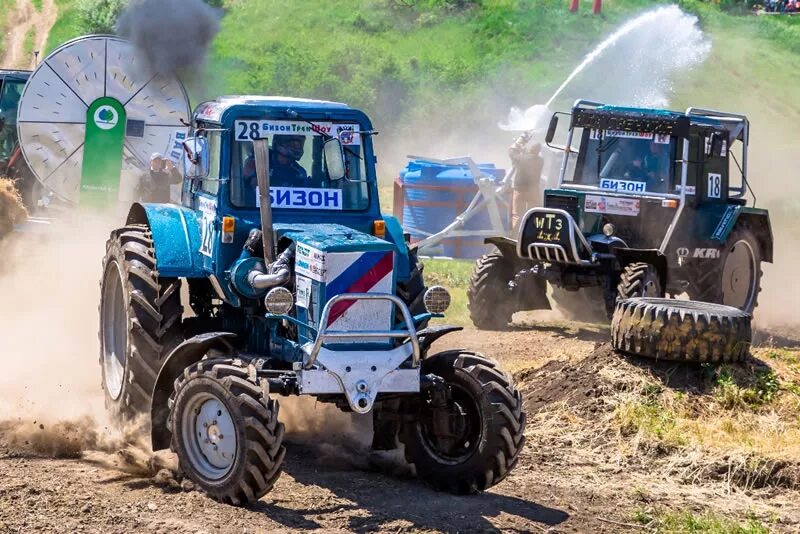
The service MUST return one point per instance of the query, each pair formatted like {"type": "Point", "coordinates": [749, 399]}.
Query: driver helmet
{"type": "Point", "coordinates": [289, 146]}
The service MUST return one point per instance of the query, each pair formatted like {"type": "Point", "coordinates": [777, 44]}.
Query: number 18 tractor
{"type": "Point", "coordinates": [277, 275]}
{"type": "Point", "coordinates": [648, 203]}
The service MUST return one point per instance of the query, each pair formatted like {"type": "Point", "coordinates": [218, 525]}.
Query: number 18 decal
{"type": "Point", "coordinates": [714, 185]}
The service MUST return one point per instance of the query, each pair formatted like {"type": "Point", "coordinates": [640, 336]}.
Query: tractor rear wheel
{"type": "Point", "coordinates": [489, 295]}
{"type": "Point", "coordinates": [736, 279]}
{"type": "Point", "coordinates": [225, 431]}
{"type": "Point", "coordinates": [669, 329]}
{"type": "Point", "coordinates": [140, 321]}
{"type": "Point", "coordinates": [468, 440]}
{"type": "Point", "coordinates": [639, 279]}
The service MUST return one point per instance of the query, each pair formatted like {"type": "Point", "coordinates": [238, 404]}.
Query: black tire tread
{"type": "Point", "coordinates": [632, 279]}
{"type": "Point", "coordinates": [508, 424]}
{"type": "Point", "coordinates": [155, 314]}
{"type": "Point", "coordinates": [681, 330]}
{"type": "Point", "coordinates": [488, 296]}
{"type": "Point", "coordinates": [265, 451]}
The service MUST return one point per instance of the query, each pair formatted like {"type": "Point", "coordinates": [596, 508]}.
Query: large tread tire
{"type": "Point", "coordinates": [502, 426]}
{"type": "Point", "coordinates": [489, 297]}
{"type": "Point", "coordinates": [260, 451]}
{"type": "Point", "coordinates": [709, 280]}
{"type": "Point", "coordinates": [639, 279]}
{"type": "Point", "coordinates": [152, 314]}
{"type": "Point", "coordinates": [681, 330]}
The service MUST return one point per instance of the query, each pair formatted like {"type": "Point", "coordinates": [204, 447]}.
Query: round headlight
{"type": "Point", "coordinates": [608, 229]}
{"type": "Point", "coordinates": [436, 299]}
{"type": "Point", "coordinates": [279, 301]}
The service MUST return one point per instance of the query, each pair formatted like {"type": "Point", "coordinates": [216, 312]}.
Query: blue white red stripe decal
{"type": "Point", "coordinates": [360, 277]}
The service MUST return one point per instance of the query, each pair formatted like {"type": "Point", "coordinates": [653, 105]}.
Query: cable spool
{"type": "Point", "coordinates": [90, 116]}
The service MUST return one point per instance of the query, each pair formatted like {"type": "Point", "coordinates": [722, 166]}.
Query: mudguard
{"type": "Point", "coordinates": [506, 245]}
{"type": "Point", "coordinates": [718, 226]}
{"type": "Point", "coordinates": [176, 238]}
{"type": "Point", "coordinates": [184, 355]}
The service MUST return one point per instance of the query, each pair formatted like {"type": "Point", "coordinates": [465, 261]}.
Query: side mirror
{"type": "Point", "coordinates": [551, 129]}
{"type": "Point", "coordinates": [195, 157]}
{"type": "Point", "coordinates": [334, 159]}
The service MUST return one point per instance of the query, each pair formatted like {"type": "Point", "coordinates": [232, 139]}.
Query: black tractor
{"type": "Point", "coordinates": [648, 203]}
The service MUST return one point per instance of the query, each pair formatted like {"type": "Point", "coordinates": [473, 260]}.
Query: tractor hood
{"type": "Point", "coordinates": [332, 259]}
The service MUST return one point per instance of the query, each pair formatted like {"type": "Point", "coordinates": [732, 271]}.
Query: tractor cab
{"type": "Point", "coordinates": [639, 170]}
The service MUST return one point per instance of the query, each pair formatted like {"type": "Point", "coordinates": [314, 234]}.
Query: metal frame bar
{"type": "Point", "coordinates": [325, 334]}
{"type": "Point", "coordinates": [714, 114]}
{"type": "Point", "coordinates": [573, 231]}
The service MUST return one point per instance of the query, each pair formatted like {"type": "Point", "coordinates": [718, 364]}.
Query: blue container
{"type": "Point", "coordinates": [434, 195]}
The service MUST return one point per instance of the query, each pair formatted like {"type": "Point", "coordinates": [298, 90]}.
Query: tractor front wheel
{"type": "Point", "coordinates": [225, 431]}
{"type": "Point", "coordinates": [489, 296]}
{"type": "Point", "coordinates": [468, 434]}
{"type": "Point", "coordinates": [639, 280]}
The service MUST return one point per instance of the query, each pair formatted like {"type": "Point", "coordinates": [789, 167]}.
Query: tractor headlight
{"type": "Point", "coordinates": [279, 301]}
{"type": "Point", "coordinates": [608, 229]}
{"type": "Point", "coordinates": [436, 299]}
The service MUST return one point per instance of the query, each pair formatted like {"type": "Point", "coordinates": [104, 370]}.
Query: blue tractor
{"type": "Point", "coordinates": [278, 275]}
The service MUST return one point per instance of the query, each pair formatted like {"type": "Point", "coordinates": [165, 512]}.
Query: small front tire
{"type": "Point", "coordinates": [225, 431]}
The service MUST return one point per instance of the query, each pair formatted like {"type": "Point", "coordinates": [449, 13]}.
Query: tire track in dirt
{"type": "Point", "coordinates": [20, 22]}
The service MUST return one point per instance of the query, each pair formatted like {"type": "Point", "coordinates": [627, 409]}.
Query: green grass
{"type": "Point", "coordinates": [67, 26]}
{"type": "Point", "coordinates": [454, 275]}
{"type": "Point", "coordinates": [6, 7]}
{"type": "Point", "coordinates": [689, 523]}
{"type": "Point", "coordinates": [29, 44]}
{"type": "Point", "coordinates": [37, 5]}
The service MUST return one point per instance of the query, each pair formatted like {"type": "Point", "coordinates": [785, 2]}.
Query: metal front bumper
{"type": "Point", "coordinates": [551, 235]}
{"type": "Point", "coordinates": [361, 374]}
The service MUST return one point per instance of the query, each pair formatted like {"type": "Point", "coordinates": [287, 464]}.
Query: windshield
{"type": "Point", "coordinates": [298, 174]}
{"type": "Point", "coordinates": [9, 101]}
{"type": "Point", "coordinates": [631, 162]}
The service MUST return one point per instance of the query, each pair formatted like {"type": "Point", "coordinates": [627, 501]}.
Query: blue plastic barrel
{"type": "Point", "coordinates": [433, 195]}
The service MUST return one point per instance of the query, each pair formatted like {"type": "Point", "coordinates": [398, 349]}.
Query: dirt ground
{"type": "Point", "coordinates": [338, 487]}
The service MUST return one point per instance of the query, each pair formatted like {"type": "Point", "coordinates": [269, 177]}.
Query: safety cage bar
{"type": "Point", "coordinates": [324, 334]}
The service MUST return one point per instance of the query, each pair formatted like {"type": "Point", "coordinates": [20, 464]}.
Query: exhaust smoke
{"type": "Point", "coordinates": [173, 36]}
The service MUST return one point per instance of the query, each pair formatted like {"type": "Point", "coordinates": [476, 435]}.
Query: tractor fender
{"type": "Point", "coordinates": [394, 234]}
{"type": "Point", "coordinates": [506, 246]}
{"type": "Point", "coordinates": [176, 238]}
{"type": "Point", "coordinates": [190, 351]}
{"type": "Point", "coordinates": [428, 335]}
{"type": "Point", "coordinates": [652, 256]}
{"type": "Point", "coordinates": [756, 219]}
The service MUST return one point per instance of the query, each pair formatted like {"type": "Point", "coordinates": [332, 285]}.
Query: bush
{"type": "Point", "coordinates": [99, 16]}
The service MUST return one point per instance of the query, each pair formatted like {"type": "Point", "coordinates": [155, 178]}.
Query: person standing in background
{"type": "Point", "coordinates": [155, 185]}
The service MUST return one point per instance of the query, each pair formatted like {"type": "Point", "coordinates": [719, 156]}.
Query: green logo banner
{"type": "Point", "coordinates": [102, 151]}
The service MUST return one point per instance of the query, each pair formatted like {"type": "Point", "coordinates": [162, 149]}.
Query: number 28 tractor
{"type": "Point", "coordinates": [278, 275]}
{"type": "Point", "coordinates": [648, 202]}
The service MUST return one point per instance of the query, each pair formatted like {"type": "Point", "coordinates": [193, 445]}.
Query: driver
{"type": "Point", "coordinates": [654, 166]}
{"type": "Point", "coordinates": [284, 169]}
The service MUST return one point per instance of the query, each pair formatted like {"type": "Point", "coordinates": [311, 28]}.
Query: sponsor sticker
{"type": "Point", "coordinates": [706, 253]}
{"type": "Point", "coordinates": [304, 198]}
{"type": "Point", "coordinates": [252, 130]}
{"type": "Point", "coordinates": [612, 205]}
{"type": "Point", "coordinates": [690, 189]}
{"type": "Point", "coordinates": [303, 286]}
{"type": "Point", "coordinates": [595, 134]}
{"type": "Point", "coordinates": [208, 207]}
{"type": "Point", "coordinates": [730, 211]}
{"type": "Point", "coordinates": [310, 262]}
{"type": "Point", "coordinates": [661, 139]}
{"type": "Point", "coordinates": [623, 185]}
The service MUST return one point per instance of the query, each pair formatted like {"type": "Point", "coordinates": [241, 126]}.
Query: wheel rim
{"type": "Point", "coordinates": [739, 276]}
{"type": "Point", "coordinates": [114, 325]}
{"type": "Point", "coordinates": [209, 436]}
{"type": "Point", "coordinates": [457, 446]}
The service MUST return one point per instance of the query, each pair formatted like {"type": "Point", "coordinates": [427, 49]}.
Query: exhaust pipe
{"type": "Point", "coordinates": [261, 150]}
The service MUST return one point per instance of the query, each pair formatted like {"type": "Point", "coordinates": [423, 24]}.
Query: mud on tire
{"type": "Point", "coordinates": [140, 321]}
{"type": "Point", "coordinates": [488, 295]}
{"type": "Point", "coordinates": [681, 330]}
{"type": "Point", "coordinates": [493, 438]}
{"type": "Point", "coordinates": [258, 452]}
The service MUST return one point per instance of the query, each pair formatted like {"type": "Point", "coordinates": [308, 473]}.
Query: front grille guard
{"type": "Point", "coordinates": [324, 334]}
{"type": "Point", "coordinates": [555, 252]}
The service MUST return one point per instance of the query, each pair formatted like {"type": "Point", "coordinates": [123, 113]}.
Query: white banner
{"type": "Point", "coordinates": [623, 185]}
{"type": "Point", "coordinates": [251, 130]}
{"type": "Point", "coordinates": [612, 205]}
{"type": "Point", "coordinates": [303, 198]}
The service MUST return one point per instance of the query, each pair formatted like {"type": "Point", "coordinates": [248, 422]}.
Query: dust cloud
{"type": "Point", "coordinates": [51, 401]}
